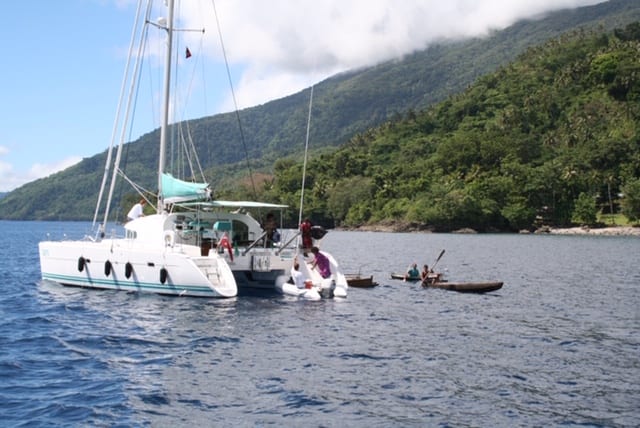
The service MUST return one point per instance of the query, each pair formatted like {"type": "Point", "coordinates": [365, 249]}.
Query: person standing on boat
{"type": "Point", "coordinates": [305, 229]}
{"type": "Point", "coordinates": [270, 227]}
{"type": "Point", "coordinates": [412, 273]}
{"type": "Point", "coordinates": [137, 210]}
{"type": "Point", "coordinates": [321, 262]}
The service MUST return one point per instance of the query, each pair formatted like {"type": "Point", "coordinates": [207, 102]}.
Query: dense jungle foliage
{"type": "Point", "coordinates": [347, 105]}
{"type": "Point", "coordinates": [552, 137]}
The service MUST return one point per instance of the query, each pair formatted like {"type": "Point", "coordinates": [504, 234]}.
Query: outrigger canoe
{"type": "Point", "coordinates": [466, 287]}
{"type": "Point", "coordinates": [462, 287]}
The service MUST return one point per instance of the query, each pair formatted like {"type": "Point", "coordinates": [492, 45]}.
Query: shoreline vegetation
{"type": "Point", "coordinates": [543, 230]}
{"type": "Point", "coordinates": [604, 231]}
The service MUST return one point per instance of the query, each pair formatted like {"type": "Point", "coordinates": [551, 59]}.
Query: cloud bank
{"type": "Point", "coordinates": [282, 46]}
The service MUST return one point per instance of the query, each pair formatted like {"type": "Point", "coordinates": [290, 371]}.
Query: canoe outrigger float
{"type": "Point", "coordinates": [466, 287]}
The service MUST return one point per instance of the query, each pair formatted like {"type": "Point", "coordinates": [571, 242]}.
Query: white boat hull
{"type": "Point", "coordinates": [105, 265]}
{"type": "Point", "coordinates": [260, 267]}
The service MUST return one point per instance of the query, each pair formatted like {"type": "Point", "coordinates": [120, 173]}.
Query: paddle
{"type": "Point", "coordinates": [433, 266]}
{"type": "Point", "coordinates": [437, 260]}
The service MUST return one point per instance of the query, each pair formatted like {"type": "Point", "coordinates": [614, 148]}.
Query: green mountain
{"type": "Point", "coordinates": [345, 105]}
{"type": "Point", "coordinates": [551, 138]}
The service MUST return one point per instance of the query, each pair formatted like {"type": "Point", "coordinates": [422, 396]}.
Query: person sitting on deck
{"type": "Point", "coordinates": [412, 272]}
{"type": "Point", "coordinates": [137, 210]}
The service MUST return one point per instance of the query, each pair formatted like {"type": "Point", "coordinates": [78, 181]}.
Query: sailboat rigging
{"type": "Point", "coordinates": [316, 286]}
{"type": "Point", "coordinates": [147, 257]}
{"type": "Point", "coordinates": [193, 245]}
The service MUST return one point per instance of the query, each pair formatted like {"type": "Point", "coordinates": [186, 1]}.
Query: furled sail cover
{"type": "Point", "coordinates": [175, 190]}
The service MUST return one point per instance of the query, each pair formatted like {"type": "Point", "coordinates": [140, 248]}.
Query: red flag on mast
{"type": "Point", "coordinates": [187, 53]}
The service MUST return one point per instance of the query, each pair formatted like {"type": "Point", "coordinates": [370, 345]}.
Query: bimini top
{"type": "Point", "coordinates": [234, 204]}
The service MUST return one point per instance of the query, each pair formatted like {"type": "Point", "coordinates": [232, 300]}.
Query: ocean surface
{"type": "Point", "coordinates": [558, 345]}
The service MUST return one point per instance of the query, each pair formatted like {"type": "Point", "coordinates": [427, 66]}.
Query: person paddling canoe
{"type": "Point", "coordinates": [428, 276]}
{"type": "Point", "coordinates": [424, 275]}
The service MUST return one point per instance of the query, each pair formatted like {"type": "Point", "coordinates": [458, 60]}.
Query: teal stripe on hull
{"type": "Point", "coordinates": [150, 287]}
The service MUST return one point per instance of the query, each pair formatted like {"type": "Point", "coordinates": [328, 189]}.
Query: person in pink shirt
{"type": "Point", "coordinates": [321, 262]}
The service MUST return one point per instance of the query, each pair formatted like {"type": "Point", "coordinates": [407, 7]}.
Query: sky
{"type": "Point", "coordinates": [63, 61]}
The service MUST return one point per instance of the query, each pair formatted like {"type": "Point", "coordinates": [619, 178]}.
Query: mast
{"type": "Point", "coordinates": [164, 125]}
{"type": "Point", "coordinates": [306, 153]}
{"type": "Point", "coordinates": [122, 97]}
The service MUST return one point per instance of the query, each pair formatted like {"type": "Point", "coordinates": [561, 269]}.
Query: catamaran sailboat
{"type": "Point", "coordinates": [192, 246]}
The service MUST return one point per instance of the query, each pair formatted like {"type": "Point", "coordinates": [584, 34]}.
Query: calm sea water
{"type": "Point", "coordinates": [559, 344]}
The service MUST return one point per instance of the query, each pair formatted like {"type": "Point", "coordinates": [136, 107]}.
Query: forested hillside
{"type": "Point", "coordinates": [345, 105]}
{"type": "Point", "coordinates": [552, 137]}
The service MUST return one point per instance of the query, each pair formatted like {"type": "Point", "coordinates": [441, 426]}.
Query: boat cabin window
{"type": "Point", "coordinates": [182, 222]}
{"type": "Point", "coordinates": [131, 234]}
{"type": "Point", "coordinates": [240, 233]}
